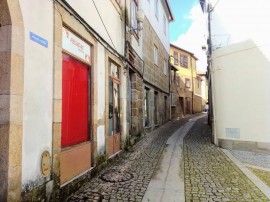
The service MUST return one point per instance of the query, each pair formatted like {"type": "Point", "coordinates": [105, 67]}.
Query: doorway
{"type": "Point", "coordinates": [114, 129]}
{"type": "Point", "coordinates": [188, 111]}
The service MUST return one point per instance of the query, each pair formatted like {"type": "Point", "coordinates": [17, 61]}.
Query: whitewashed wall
{"type": "Point", "coordinates": [111, 16]}
{"type": "Point", "coordinates": [38, 91]}
{"type": "Point", "coordinates": [240, 69]}
{"type": "Point", "coordinates": [241, 92]}
{"type": "Point", "coordinates": [113, 19]}
{"type": "Point", "coordinates": [100, 73]}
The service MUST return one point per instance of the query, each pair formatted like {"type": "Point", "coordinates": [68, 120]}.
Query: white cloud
{"type": "Point", "coordinates": [195, 37]}
{"type": "Point", "coordinates": [237, 21]}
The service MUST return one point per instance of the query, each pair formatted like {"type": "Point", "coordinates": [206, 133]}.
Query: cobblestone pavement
{"type": "Point", "coordinates": [252, 158]}
{"type": "Point", "coordinates": [127, 177]}
{"type": "Point", "coordinates": [262, 174]}
{"type": "Point", "coordinates": [210, 175]}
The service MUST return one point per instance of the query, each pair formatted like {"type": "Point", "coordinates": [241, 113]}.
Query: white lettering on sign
{"type": "Point", "coordinates": [76, 46]}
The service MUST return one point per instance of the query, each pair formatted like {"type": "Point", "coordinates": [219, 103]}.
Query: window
{"type": "Point", "coordinates": [175, 56]}
{"type": "Point", "coordinates": [156, 9]}
{"type": "Point", "coordinates": [177, 80]}
{"type": "Point", "coordinates": [155, 55]}
{"type": "Point", "coordinates": [184, 61]}
{"type": "Point", "coordinates": [165, 67]}
{"type": "Point", "coordinates": [146, 107]}
{"type": "Point", "coordinates": [164, 25]}
{"type": "Point", "coordinates": [134, 9]}
{"type": "Point", "coordinates": [187, 83]}
{"type": "Point", "coordinates": [172, 76]}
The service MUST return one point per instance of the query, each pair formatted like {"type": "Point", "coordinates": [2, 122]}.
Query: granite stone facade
{"type": "Point", "coordinates": [156, 80]}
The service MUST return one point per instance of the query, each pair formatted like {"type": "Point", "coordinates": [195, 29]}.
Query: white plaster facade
{"type": "Point", "coordinates": [241, 95]}
{"type": "Point", "coordinates": [111, 15]}
{"type": "Point", "coordinates": [157, 22]}
{"type": "Point", "coordinates": [38, 89]}
{"type": "Point", "coordinates": [39, 78]}
{"type": "Point", "coordinates": [239, 70]}
{"type": "Point", "coordinates": [113, 19]}
{"type": "Point", "coordinates": [42, 89]}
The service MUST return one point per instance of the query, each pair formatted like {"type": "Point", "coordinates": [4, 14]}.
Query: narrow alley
{"type": "Point", "coordinates": [134, 100]}
{"type": "Point", "coordinates": [176, 162]}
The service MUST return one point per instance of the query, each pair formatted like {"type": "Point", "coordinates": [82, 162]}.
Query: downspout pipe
{"type": "Point", "coordinates": [192, 110]}
{"type": "Point", "coordinates": [170, 94]}
{"type": "Point", "coordinates": [211, 115]}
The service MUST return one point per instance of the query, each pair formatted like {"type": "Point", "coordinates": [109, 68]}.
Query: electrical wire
{"type": "Point", "coordinates": [103, 23]}
{"type": "Point", "coordinates": [102, 41]}
{"type": "Point", "coordinates": [214, 5]}
{"type": "Point", "coordinates": [242, 50]}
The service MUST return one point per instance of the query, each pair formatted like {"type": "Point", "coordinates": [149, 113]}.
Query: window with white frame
{"type": "Point", "coordinates": [175, 56]}
{"type": "Point", "coordinates": [155, 55]}
{"type": "Point", "coordinates": [134, 10]}
{"type": "Point", "coordinates": [177, 80]}
{"type": "Point", "coordinates": [165, 67]}
{"type": "Point", "coordinates": [184, 61]}
{"type": "Point", "coordinates": [156, 9]}
{"type": "Point", "coordinates": [187, 83]}
{"type": "Point", "coordinates": [164, 25]}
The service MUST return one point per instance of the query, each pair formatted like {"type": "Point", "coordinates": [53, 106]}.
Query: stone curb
{"type": "Point", "coordinates": [263, 187]}
{"type": "Point", "coordinates": [257, 167]}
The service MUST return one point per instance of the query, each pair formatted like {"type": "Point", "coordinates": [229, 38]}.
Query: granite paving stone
{"type": "Point", "coordinates": [209, 175]}
{"type": "Point", "coordinates": [127, 177]}
{"type": "Point", "coordinates": [208, 168]}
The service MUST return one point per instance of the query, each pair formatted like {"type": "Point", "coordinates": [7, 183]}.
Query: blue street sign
{"type": "Point", "coordinates": [38, 39]}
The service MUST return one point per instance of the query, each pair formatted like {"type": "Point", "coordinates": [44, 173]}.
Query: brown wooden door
{"type": "Point", "coordinates": [114, 129]}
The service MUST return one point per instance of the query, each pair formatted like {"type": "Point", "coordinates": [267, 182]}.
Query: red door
{"type": "Point", "coordinates": [74, 102]}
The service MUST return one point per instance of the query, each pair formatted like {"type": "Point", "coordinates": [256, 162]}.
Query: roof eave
{"type": "Point", "coordinates": [171, 17]}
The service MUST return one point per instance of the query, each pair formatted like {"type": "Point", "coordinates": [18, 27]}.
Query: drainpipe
{"type": "Point", "coordinates": [211, 114]}
{"type": "Point", "coordinates": [170, 94]}
{"type": "Point", "coordinates": [192, 109]}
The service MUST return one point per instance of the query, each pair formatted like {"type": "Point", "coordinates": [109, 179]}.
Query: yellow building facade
{"type": "Point", "coordinates": [185, 80]}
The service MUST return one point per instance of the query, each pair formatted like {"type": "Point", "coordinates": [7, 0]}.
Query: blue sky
{"type": "Point", "coordinates": [188, 31]}
{"type": "Point", "coordinates": [181, 10]}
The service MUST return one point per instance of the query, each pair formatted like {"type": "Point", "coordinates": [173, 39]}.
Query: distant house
{"type": "Point", "coordinates": [187, 83]}
{"type": "Point", "coordinates": [202, 87]}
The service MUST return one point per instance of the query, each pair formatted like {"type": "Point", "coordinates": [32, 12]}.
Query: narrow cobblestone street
{"type": "Point", "coordinates": [128, 176]}
{"type": "Point", "coordinates": [209, 175]}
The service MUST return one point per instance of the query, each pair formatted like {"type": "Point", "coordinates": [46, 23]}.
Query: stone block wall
{"type": "Point", "coordinates": [154, 74]}
{"type": "Point", "coordinates": [155, 80]}
{"type": "Point", "coordinates": [136, 105]}
{"type": "Point", "coordinates": [11, 99]}
{"type": "Point", "coordinates": [197, 104]}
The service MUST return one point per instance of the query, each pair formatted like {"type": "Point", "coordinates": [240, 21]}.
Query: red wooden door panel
{"type": "Point", "coordinates": [74, 101]}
